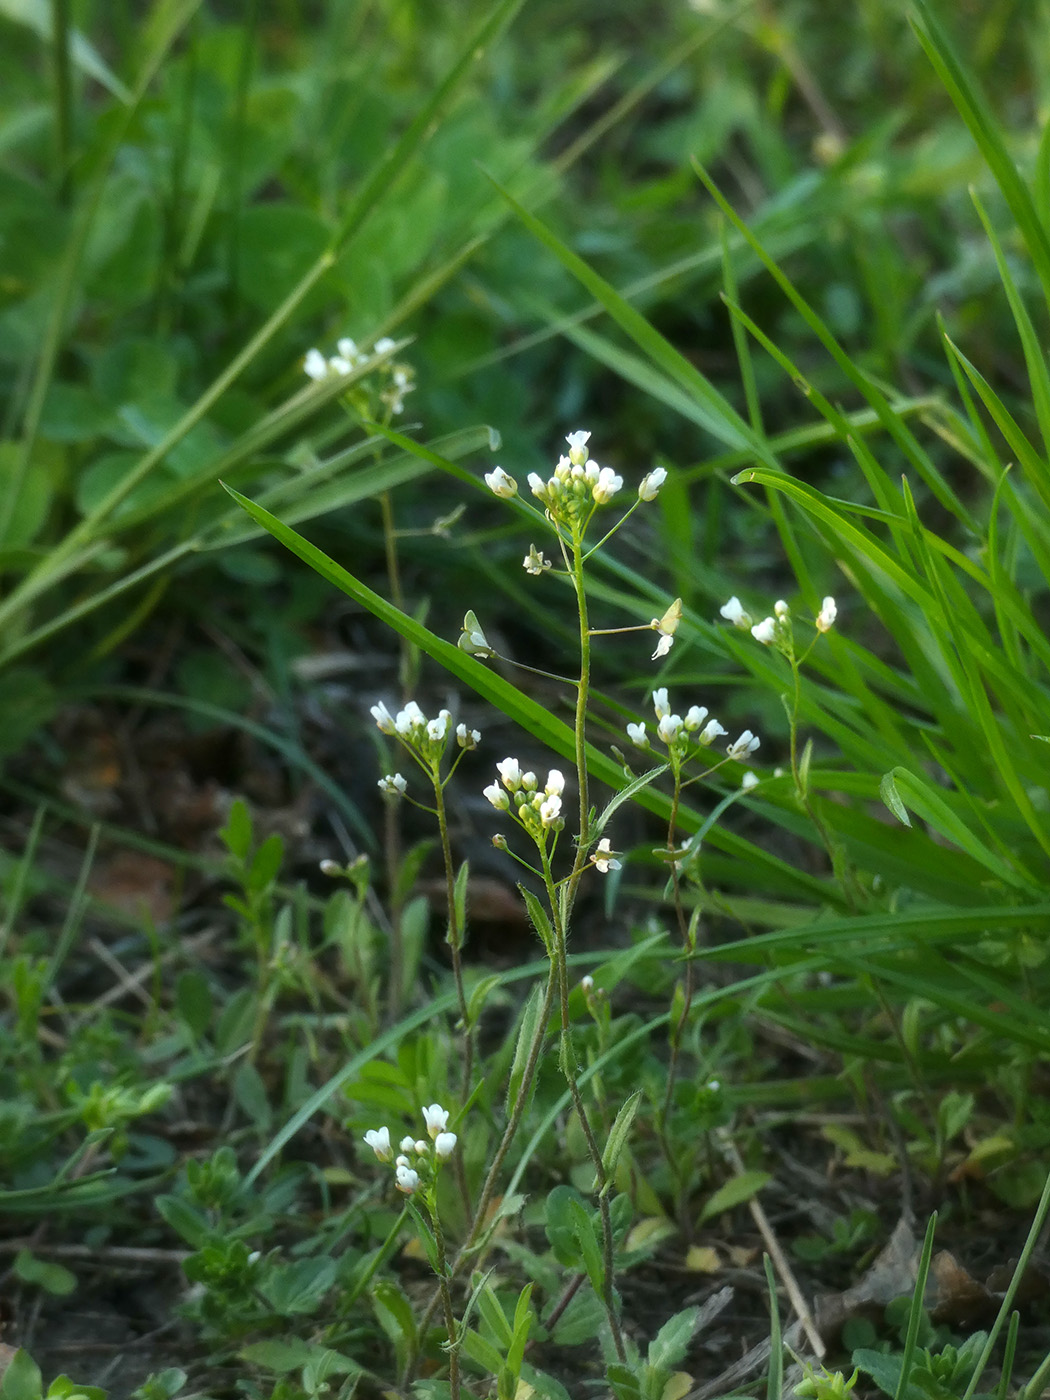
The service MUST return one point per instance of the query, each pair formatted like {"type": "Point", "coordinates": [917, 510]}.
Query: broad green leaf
{"type": "Point", "coordinates": [737, 1189]}
{"type": "Point", "coordinates": [619, 1132]}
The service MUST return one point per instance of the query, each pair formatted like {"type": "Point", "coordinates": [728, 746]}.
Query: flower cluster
{"type": "Point", "coordinates": [537, 809]}
{"type": "Point", "coordinates": [683, 736]}
{"type": "Point", "coordinates": [577, 486]}
{"type": "Point", "coordinates": [417, 1160]}
{"type": "Point", "coordinates": [426, 739]}
{"type": "Point", "coordinates": [776, 630]}
{"type": "Point", "coordinates": [350, 357]}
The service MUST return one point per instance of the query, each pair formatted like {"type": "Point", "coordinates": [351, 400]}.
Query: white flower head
{"type": "Point", "coordinates": [749, 780]}
{"type": "Point", "coordinates": [734, 612]}
{"type": "Point", "coordinates": [393, 785]}
{"type": "Point", "coordinates": [782, 610]}
{"type": "Point", "coordinates": [745, 745]}
{"type": "Point", "coordinates": [650, 484]}
{"type": "Point", "coordinates": [604, 857]}
{"type": "Point", "coordinates": [637, 735]}
{"type": "Point", "coordinates": [497, 797]}
{"type": "Point", "coordinates": [587, 984]}
{"type": "Point", "coordinates": [438, 728]}
{"type": "Point", "coordinates": [419, 1147]}
{"type": "Point", "coordinates": [534, 562]}
{"type": "Point", "coordinates": [555, 784]}
{"type": "Point", "coordinates": [501, 483]}
{"type": "Point", "coordinates": [509, 770]}
{"type": "Point", "coordinates": [407, 1144]}
{"type": "Point", "coordinates": [378, 1139]}
{"type": "Point", "coordinates": [444, 1145]}
{"type": "Point", "coordinates": [711, 732]}
{"type": "Point", "coordinates": [410, 719]}
{"type": "Point", "coordinates": [538, 486]}
{"type": "Point", "coordinates": [765, 631]}
{"type": "Point", "coordinates": [402, 1161]}
{"type": "Point", "coordinates": [315, 366]}
{"type": "Point", "coordinates": [695, 716]}
{"type": "Point", "coordinates": [528, 781]}
{"type": "Point", "coordinates": [436, 1119]}
{"type": "Point", "coordinates": [406, 1180]}
{"type": "Point", "coordinates": [467, 738]}
{"type": "Point", "coordinates": [667, 626]}
{"type": "Point", "coordinates": [669, 728]}
{"type": "Point", "coordinates": [825, 619]}
{"type": "Point", "coordinates": [606, 486]}
{"type": "Point", "coordinates": [383, 718]}
{"type": "Point", "coordinates": [348, 350]}
{"type": "Point", "coordinates": [661, 704]}
{"type": "Point", "coordinates": [550, 809]}
{"type": "Point", "coordinates": [578, 446]}
{"type": "Point", "coordinates": [383, 345]}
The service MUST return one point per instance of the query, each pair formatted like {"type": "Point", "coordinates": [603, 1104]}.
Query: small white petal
{"type": "Point", "coordinates": [406, 1180]}
{"type": "Point", "coordinates": [825, 619]}
{"type": "Point", "coordinates": [764, 631]}
{"type": "Point", "coordinates": [651, 483]}
{"type": "Point", "coordinates": [378, 1139]}
{"type": "Point", "coordinates": [637, 735]}
{"type": "Point", "coordinates": [315, 365]}
{"type": "Point", "coordinates": [436, 1119]}
{"type": "Point", "coordinates": [444, 1145]}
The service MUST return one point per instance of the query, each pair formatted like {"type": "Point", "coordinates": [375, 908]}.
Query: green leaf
{"type": "Point", "coordinates": [619, 1132]}
{"type": "Point", "coordinates": [892, 799]}
{"type": "Point", "coordinates": [52, 1278]}
{"type": "Point", "coordinates": [22, 1379]}
{"type": "Point", "coordinates": [670, 1344]}
{"type": "Point", "coordinates": [736, 1190]}
{"type": "Point", "coordinates": [538, 916]}
{"type": "Point", "coordinates": [530, 1021]}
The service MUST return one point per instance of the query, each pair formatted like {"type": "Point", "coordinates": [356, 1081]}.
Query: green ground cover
{"type": "Point", "coordinates": [624, 974]}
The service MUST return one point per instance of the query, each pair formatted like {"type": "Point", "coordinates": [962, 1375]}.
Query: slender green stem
{"type": "Point", "coordinates": [60, 31]}
{"type": "Point", "coordinates": [446, 1300]}
{"type": "Point", "coordinates": [582, 699]}
{"type": "Point", "coordinates": [567, 1058]}
{"type": "Point", "coordinates": [455, 943]}
{"type": "Point", "coordinates": [678, 1024]}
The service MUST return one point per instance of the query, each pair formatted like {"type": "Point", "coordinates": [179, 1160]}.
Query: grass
{"type": "Point", "coordinates": [568, 1084]}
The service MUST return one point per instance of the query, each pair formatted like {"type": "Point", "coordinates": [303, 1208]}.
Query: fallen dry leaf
{"type": "Point", "coordinates": [892, 1274]}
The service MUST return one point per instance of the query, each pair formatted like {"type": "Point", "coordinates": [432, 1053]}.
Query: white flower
{"type": "Point", "coordinates": [825, 619]}
{"type": "Point", "coordinates": [534, 562]}
{"type": "Point", "coordinates": [383, 718]}
{"type": "Point", "coordinates": [438, 728]}
{"type": "Point", "coordinates": [406, 1180]}
{"type": "Point", "coordinates": [436, 1119]}
{"type": "Point", "coordinates": [509, 770]}
{"type": "Point", "coordinates": [378, 1139]}
{"type": "Point", "coordinates": [315, 365]}
{"type": "Point", "coordinates": [402, 1161]}
{"type": "Point", "coordinates": [651, 483]}
{"type": "Point", "coordinates": [444, 1145]}
{"type": "Point", "coordinates": [745, 745]}
{"type": "Point", "coordinates": [765, 630]}
{"type": "Point", "coordinates": [407, 1143]}
{"type": "Point", "coordinates": [338, 365]}
{"type": "Point", "coordinates": [578, 446]}
{"type": "Point", "coordinates": [735, 613]}
{"type": "Point", "coordinates": [749, 780]}
{"type": "Point", "coordinates": [348, 349]}
{"type": "Point", "coordinates": [781, 609]}
{"type": "Point", "coordinates": [587, 984]}
{"type": "Point", "coordinates": [409, 719]}
{"type": "Point", "coordinates": [555, 783]}
{"type": "Point", "coordinates": [550, 809]}
{"type": "Point", "coordinates": [420, 1147]}
{"type": "Point", "coordinates": [497, 797]}
{"type": "Point", "coordinates": [528, 781]}
{"type": "Point", "coordinates": [467, 738]}
{"type": "Point", "coordinates": [603, 857]}
{"type": "Point", "coordinates": [537, 485]}
{"type": "Point", "coordinates": [660, 702]}
{"type": "Point", "coordinates": [712, 732]}
{"type": "Point", "coordinates": [383, 345]}
{"type": "Point", "coordinates": [667, 626]}
{"type": "Point", "coordinates": [501, 483]}
{"type": "Point", "coordinates": [669, 728]}
{"type": "Point", "coordinates": [695, 716]}
{"type": "Point", "coordinates": [637, 735]}
{"type": "Point", "coordinates": [393, 784]}
{"type": "Point", "coordinates": [606, 486]}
